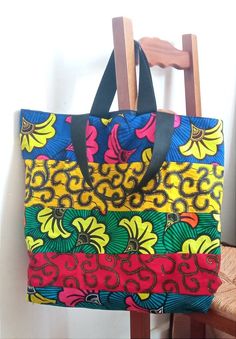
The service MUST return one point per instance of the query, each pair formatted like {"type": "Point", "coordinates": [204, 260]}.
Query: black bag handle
{"type": "Point", "coordinates": [107, 87]}
{"type": "Point", "coordinates": [102, 103]}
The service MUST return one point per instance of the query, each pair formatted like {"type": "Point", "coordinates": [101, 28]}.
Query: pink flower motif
{"type": "Point", "coordinates": [132, 306]}
{"type": "Point", "coordinates": [115, 154]}
{"type": "Point", "coordinates": [176, 121]}
{"type": "Point", "coordinates": [42, 157]}
{"type": "Point", "coordinates": [148, 131]}
{"type": "Point", "coordinates": [72, 296]}
{"type": "Point", "coordinates": [70, 148]}
{"type": "Point", "coordinates": [91, 144]}
{"type": "Point", "coordinates": [68, 119]}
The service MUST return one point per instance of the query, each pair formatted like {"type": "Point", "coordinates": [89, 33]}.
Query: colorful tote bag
{"type": "Point", "coordinates": [122, 209]}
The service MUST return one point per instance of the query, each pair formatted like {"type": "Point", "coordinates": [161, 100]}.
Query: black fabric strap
{"type": "Point", "coordinates": [163, 135]}
{"type": "Point", "coordinates": [106, 90]}
{"type": "Point", "coordinates": [107, 87]}
{"type": "Point", "coordinates": [78, 137]}
{"type": "Point", "coordinates": [146, 94]}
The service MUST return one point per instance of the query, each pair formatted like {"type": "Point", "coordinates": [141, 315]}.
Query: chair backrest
{"type": "Point", "coordinates": [164, 54]}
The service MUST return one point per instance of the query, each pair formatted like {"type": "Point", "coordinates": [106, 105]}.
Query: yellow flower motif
{"type": "Point", "coordinates": [32, 244]}
{"type": "Point", "coordinates": [217, 218]}
{"type": "Point", "coordinates": [141, 238]}
{"type": "Point", "coordinates": [37, 298]}
{"type": "Point", "coordinates": [91, 232]}
{"type": "Point", "coordinates": [144, 296]}
{"type": "Point", "coordinates": [36, 135]}
{"type": "Point", "coordinates": [203, 142]}
{"type": "Point", "coordinates": [106, 121]}
{"type": "Point", "coordinates": [202, 244]}
{"type": "Point", "coordinates": [51, 222]}
{"type": "Point", "coordinates": [147, 155]}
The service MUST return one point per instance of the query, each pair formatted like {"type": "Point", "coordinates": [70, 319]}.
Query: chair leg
{"type": "Point", "coordinates": [139, 325]}
{"type": "Point", "coordinates": [197, 329]}
{"type": "Point", "coordinates": [171, 326]}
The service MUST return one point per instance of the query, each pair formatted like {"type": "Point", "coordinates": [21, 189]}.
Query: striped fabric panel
{"type": "Point", "coordinates": [178, 187]}
{"type": "Point", "coordinates": [65, 230]}
{"type": "Point", "coordinates": [155, 303]}
{"type": "Point", "coordinates": [194, 274]}
{"type": "Point", "coordinates": [124, 137]}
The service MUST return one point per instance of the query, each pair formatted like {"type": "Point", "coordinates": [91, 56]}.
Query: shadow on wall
{"type": "Point", "coordinates": [70, 80]}
{"type": "Point", "coordinates": [63, 80]}
{"type": "Point", "coordinates": [162, 82]}
{"type": "Point", "coordinates": [229, 200]}
{"type": "Point", "coordinates": [19, 318]}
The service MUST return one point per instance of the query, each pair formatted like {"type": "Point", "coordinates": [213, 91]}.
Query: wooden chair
{"type": "Point", "coordinates": [161, 53]}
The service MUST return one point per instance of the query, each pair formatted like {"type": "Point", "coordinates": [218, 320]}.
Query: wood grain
{"type": "Point", "coordinates": [140, 325]}
{"type": "Point", "coordinates": [197, 329]}
{"type": "Point", "coordinates": [125, 63]}
{"type": "Point", "coordinates": [214, 319]}
{"type": "Point", "coordinates": [191, 77]}
{"type": "Point", "coordinates": [163, 54]}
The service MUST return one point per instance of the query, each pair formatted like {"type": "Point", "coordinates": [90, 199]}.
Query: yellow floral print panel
{"type": "Point", "coordinates": [203, 142]}
{"type": "Point", "coordinates": [178, 187]}
{"type": "Point", "coordinates": [36, 135]}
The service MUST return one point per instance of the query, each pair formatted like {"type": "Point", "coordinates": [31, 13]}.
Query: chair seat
{"type": "Point", "coordinates": [224, 302]}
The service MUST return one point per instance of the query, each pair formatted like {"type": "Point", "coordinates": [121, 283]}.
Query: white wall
{"type": "Point", "coordinates": [52, 57]}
